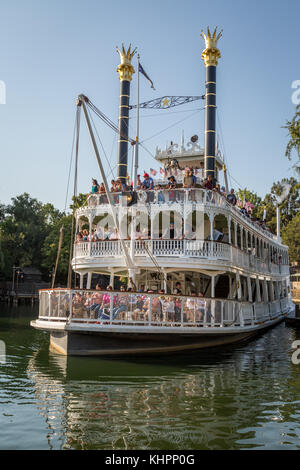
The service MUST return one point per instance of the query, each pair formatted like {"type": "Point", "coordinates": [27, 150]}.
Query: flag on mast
{"type": "Point", "coordinates": [146, 76]}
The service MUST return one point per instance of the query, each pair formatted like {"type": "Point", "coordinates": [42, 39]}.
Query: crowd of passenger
{"type": "Point", "coordinates": [132, 304]}
{"type": "Point", "coordinates": [189, 181]}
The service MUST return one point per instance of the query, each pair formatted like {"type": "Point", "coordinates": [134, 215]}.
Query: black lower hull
{"type": "Point", "coordinates": [138, 344]}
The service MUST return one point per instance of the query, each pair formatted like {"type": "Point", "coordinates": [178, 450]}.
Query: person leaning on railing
{"type": "Point", "coordinates": [231, 198]}
{"type": "Point", "coordinates": [208, 183]}
{"type": "Point", "coordinates": [189, 181]}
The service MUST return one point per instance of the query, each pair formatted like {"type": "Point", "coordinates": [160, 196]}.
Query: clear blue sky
{"type": "Point", "coordinates": [53, 50]}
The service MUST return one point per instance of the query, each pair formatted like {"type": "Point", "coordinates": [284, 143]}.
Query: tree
{"type": "Point", "coordinates": [50, 245]}
{"type": "Point", "coordinates": [291, 237]}
{"type": "Point", "coordinates": [79, 201]}
{"type": "Point", "coordinates": [293, 128]}
{"type": "Point", "coordinates": [23, 228]}
{"type": "Point", "coordinates": [252, 197]}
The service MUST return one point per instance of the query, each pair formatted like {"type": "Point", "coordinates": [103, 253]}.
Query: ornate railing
{"type": "Point", "coordinates": [161, 247]}
{"type": "Point", "coordinates": [179, 196]}
{"type": "Point", "coordinates": [162, 196]}
{"type": "Point", "coordinates": [152, 310]}
{"type": "Point", "coordinates": [209, 250]}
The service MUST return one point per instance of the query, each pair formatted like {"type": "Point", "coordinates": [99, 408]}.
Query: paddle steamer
{"type": "Point", "coordinates": [201, 273]}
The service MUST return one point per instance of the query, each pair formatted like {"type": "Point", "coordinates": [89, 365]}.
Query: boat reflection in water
{"type": "Point", "coordinates": [242, 397]}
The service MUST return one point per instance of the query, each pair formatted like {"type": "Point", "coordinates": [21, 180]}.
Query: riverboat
{"type": "Point", "coordinates": [202, 274]}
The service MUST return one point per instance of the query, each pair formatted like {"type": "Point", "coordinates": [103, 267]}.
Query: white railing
{"type": "Point", "coordinates": [206, 249]}
{"type": "Point", "coordinates": [192, 248]}
{"type": "Point", "coordinates": [181, 196]}
{"type": "Point", "coordinates": [152, 310]}
{"type": "Point", "coordinates": [162, 196]}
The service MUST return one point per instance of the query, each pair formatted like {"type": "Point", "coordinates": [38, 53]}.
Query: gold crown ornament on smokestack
{"type": "Point", "coordinates": [211, 54]}
{"type": "Point", "coordinates": [125, 69]}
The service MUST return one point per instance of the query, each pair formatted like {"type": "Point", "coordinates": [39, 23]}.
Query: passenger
{"type": "Point", "coordinates": [101, 189]}
{"type": "Point", "coordinates": [96, 301]}
{"type": "Point", "coordinates": [78, 237]}
{"type": "Point", "coordinates": [104, 309]}
{"type": "Point", "coordinates": [178, 287]}
{"type": "Point", "coordinates": [139, 183]}
{"type": "Point", "coordinates": [187, 181]}
{"type": "Point", "coordinates": [171, 187]}
{"type": "Point", "coordinates": [169, 309]}
{"type": "Point", "coordinates": [223, 191]}
{"type": "Point", "coordinates": [148, 182]}
{"type": "Point", "coordinates": [85, 236]}
{"type": "Point", "coordinates": [208, 183]}
{"type": "Point", "coordinates": [95, 186]}
{"type": "Point", "coordinates": [118, 186]}
{"type": "Point", "coordinates": [231, 198]}
{"type": "Point", "coordinates": [114, 235]}
{"type": "Point", "coordinates": [156, 309]}
{"type": "Point", "coordinates": [160, 194]}
{"type": "Point", "coordinates": [121, 303]}
{"type": "Point", "coordinates": [217, 189]}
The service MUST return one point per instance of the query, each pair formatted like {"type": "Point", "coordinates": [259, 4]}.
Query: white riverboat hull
{"type": "Point", "coordinates": [106, 340]}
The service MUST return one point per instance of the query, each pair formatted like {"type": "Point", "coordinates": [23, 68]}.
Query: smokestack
{"type": "Point", "coordinates": [125, 70]}
{"type": "Point", "coordinates": [210, 56]}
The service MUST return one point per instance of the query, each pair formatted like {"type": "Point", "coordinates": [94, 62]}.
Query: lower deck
{"type": "Point", "coordinates": [100, 322]}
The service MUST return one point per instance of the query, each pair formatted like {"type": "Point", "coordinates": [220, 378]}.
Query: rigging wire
{"type": "Point", "coordinates": [70, 165]}
{"type": "Point", "coordinates": [225, 157]}
{"type": "Point", "coordinates": [95, 129]}
{"type": "Point", "coordinates": [159, 114]}
{"type": "Point", "coordinates": [69, 281]}
{"type": "Point", "coordinates": [172, 125]}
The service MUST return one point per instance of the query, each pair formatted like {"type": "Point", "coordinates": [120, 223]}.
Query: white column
{"type": "Point", "coordinates": [249, 288]}
{"type": "Point", "coordinates": [266, 297]}
{"type": "Point", "coordinates": [213, 286]}
{"type": "Point", "coordinates": [271, 291]}
{"type": "Point", "coordinates": [238, 285]}
{"type": "Point", "coordinates": [241, 232]}
{"type": "Point", "coordinates": [90, 235]}
{"type": "Point", "coordinates": [89, 280]}
{"type": "Point", "coordinates": [258, 296]}
{"type": "Point", "coordinates": [112, 278]}
{"type": "Point", "coordinates": [211, 220]}
{"type": "Point", "coordinates": [235, 234]}
{"type": "Point", "coordinates": [229, 229]}
{"type": "Point", "coordinates": [81, 281]}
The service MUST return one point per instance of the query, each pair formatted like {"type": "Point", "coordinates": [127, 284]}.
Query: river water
{"type": "Point", "coordinates": [246, 396]}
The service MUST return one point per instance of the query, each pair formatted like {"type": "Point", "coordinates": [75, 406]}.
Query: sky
{"type": "Point", "coordinates": [51, 51]}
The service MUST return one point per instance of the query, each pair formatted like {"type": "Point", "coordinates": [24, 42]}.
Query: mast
{"type": "Point", "coordinates": [125, 70]}
{"type": "Point", "coordinates": [210, 56]}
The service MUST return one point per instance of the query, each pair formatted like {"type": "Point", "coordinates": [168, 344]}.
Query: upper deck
{"type": "Point", "coordinates": [228, 239]}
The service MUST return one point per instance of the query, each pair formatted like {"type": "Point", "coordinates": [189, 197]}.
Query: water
{"type": "Point", "coordinates": [243, 397]}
